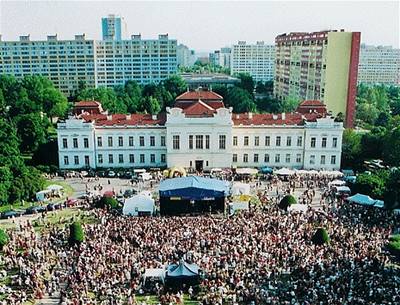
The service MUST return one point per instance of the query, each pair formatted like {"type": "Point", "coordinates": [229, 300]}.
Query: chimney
{"type": "Point", "coordinates": [128, 116]}
{"type": "Point", "coordinates": [109, 117]}
{"type": "Point", "coordinates": [250, 114]}
{"type": "Point", "coordinates": [154, 117]}
{"type": "Point", "coordinates": [274, 116]}
{"type": "Point", "coordinates": [237, 116]}
{"type": "Point", "coordinates": [283, 116]}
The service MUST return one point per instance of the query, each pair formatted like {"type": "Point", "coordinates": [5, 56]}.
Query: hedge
{"type": "Point", "coordinates": [76, 234]}
{"type": "Point", "coordinates": [108, 202]}
{"type": "Point", "coordinates": [286, 201]}
{"type": "Point", "coordinates": [320, 237]}
{"type": "Point", "coordinates": [4, 238]}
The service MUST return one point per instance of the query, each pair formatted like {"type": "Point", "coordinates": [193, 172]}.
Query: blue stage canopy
{"type": "Point", "coordinates": [194, 188]}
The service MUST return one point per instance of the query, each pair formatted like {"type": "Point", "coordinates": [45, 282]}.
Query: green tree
{"type": "Point", "coordinates": [240, 100]}
{"type": "Point", "coordinates": [286, 202]}
{"type": "Point", "coordinates": [32, 130]}
{"type": "Point", "coordinates": [373, 184]}
{"type": "Point", "coordinates": [320, 237]}
{"type": "Point", "coordinates": [382, 119]}
{"type": "Point", "coordinates": [367, 113]}
{"type": "Point", "coordinates": [134, 93]}
{"type": "Point", "coordinates": [351, 149]}
{"type": "Point", "coordinates": [390, 149]}
{"type": "Point", "coordinates": [55, 104]}
{"type": "Point", "coordinates": [6, 178]}
{"type": "Point", "coordinates": [392, 191]}
{"type": "Point", "coordinates": [76, 234]}
{"type": "Point", "coordinates": [151, 105]}
{"type": "Point", "coordinates": [4, 239]}
{"type": "Point", "coordinates": [290, 104]}
{"type": "Point", "coordinates": [246, 83]}
{"type": "Point", "coordinates": [372, 142]}
{"type": "Point", "coordinates": [107, 98]}
{"type": "Point", "coordinates": [175, 85]}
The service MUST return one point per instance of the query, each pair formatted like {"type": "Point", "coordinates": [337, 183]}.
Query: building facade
{"type": "Point", "coordinates": [200, 133]}
{"type": "Point", "coordinates": [221, 58]}
{"type": "Point", "coordinates": [258, 60]}
{"type": "Point", "coordinates": [64, 62]}
{"type": "Point", "coordinates": [97, 63]}
{"type": "Point", "coordinates": [319, 66]}
{"type": "Point", "coordinates": [111, 27]}
{"type": "Point", "coordinates": [379, 65]}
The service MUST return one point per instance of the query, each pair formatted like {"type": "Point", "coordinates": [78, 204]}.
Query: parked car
{"type": "Point", "coordinates": [101, 174]}
{"type": "Point", "coordinates": [53, 206]}
{"type": "Point", "coordinates": [127, 175]}
{"type": "Point", "coordinates": [10, 214]}
{"type": "Point", "coordinates": [129, 193]}
{"type": "Point", "coordinates": [72, 202]}
{"type": "Point", "coordinates": [111, 174]}
{"type": "Point", "coordinates": [35, 210]}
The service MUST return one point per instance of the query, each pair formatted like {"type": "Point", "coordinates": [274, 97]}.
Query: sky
{"type": "Point", "coordinates": [202, 25]}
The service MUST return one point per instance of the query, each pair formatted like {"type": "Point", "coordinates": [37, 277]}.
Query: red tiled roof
{"type": "Point", "coordinates": [199, 109]}
{"type": "Point", "coordinates": [87, 104]}
{"type": "Point", "coordinates": [199, 95]}
{"type": "Point", "coordinates": [312, 103]}
{"type": "Point", "coordinates": [273, 119]}
{"type": "Point", "coordinates": [122, 119]}
{"type": "Point", "coordinates": [186, 104]}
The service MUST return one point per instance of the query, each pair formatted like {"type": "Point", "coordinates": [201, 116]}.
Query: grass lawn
{"type": "Point", "coordinates": [69, 191]}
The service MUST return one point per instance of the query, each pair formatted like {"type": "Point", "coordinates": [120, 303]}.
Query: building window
{"type": "Point", "coordinates": [289, 141]}
{"type": "Point", "coordinates": [76, 160]}
{"type": "Point", "coordinates": [66, 161]}
{"type": "Point", "coordinates": [313, 141]}
{"type": "Point", "coordinates": [299, 141]}
{"type": "Point", "coordinates": [222, 141]}
{"type": "Point", "coordinates": [323, 144]}
{"type": "Point", "coordinates": [120, 141]}
{"type": "Point", "coordinates": [278, 141]}
{"type": "Point", "coordinates": [266, 158]}
{"type": "Point", "coordinates": [312, 159]}
{"type": "Point", "coordinates": [86, 160]}
{"type": "Point", "coordinates": [234, 158]}
{"type": "Point", "coordinates": [245, 158]}
{"type": "Point", "coordinates": [110, 142]}
{"type": "Point", "coordinates": [287, 159]}
{"type": "Point", "coordinates": [175, 142]}
{"type": "Point", "coordinates": [163, 159]}
{"type": "Point", "coordinates": [162, 140]}
{"type": "Point", "coordinates": [322, 159]}
{"type": "Point", "coordinates": [246, 141]}
{"type": "Point", "coordinates": [100, 159]}
{"type": "Point", "coordinates": [152, 141]}
{"type": "Point", "coordinates": [141, 141]}
{"type": "Point", "coordinates": [235, 141]}
{"type": "Point", "coordinates": [333, 159]}
{"type": "Point", "coordinates": [199, 142]}
{"type": "Point", "coordinates": [153, 158]}
{"type": "Point", "coordinates": [141, 158]}
{"type": "Point", "coordinates": [207, 142]}
{"type": "Point", "coordinates": [277, 158]}
{"type": "Point", "coordinates": [131, 158]}
{"type": "Point", "coordinates": [75, 142]}
{"type": "Point", "coordinates": [257, 141]}
{"type": "Point", "coordinates": [255, 158]}
{"type": "Point", "coordinates": [121, 158]}
{"type": "Point", "coordinates": [110, 159]}
{"type": "Point", "coordinates": [99, 141]}
{"type": "Point", "coordinates": [267, 141]}
{"type": "Point", "coordinates": [65, 143]}
{"type": "Point", "coordinates": [130, 141]}
{"type": "Point", "coordinates": [190, 141]}
{"type": "Point", "coordinates": [334, 142]}
{"type": "Point", "coordinates": [298, 158]}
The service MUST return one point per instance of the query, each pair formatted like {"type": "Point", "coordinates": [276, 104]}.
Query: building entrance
{"type": "Point", "coordinates": [199, 165]}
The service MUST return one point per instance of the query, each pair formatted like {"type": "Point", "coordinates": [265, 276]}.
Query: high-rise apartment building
{"type": "Point", "coordinates": [221, 57]}
{"type": "Point", "coordinates": [255, 59]}
{"type": "Point", "coordinates": [319, 66]}
{"type": "Point", "coordinates": [185, 56]}
{"type": "Point", "coordinates": [379, 65]}
{"type": "Point", "coordinates": [64, 62]}
{"type": "Point", "coordinates": [111, 27]}
{"type": "Point", "coordinates": [144, 61]}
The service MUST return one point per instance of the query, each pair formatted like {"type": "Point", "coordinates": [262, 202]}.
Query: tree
{"type": "Point", "coordinates": [286, 202]}
{"type": "Point", "coordinates": [320, 237]}
{"type": "Point", "coordinates": [372, 142]}
{"type": "Point", "coordinates": [175, 85]}
{"type": "Point", "coordinates": [290, 104]}
{"type": "Point", "coordinates": [76, 234]}
{"type": "Point", "coordinates": [46, 154]}
{"type": "Point", "coordinates": [240, 100]}
{"type": "Point", "coordinates": [382, 119]}
{"type": "Point", "coordinates": [246, 83]}
{"type": "Point", "coordinates": [151, 105]}
{"type": "Point", "coordinates": [390, 149]}
{"type": "Point", "coordinates": [373, 185]}
{"type": "Point", "coordinates": [107, 98]}
{"type": "Point", "coordinates": [134, 93]}
{"type": "Point", "coordinates": [367, 113]}
{"type": "Point", "coordinates": [107, 202]}
{"type": "Point", "coordinates": [269, 104]}
{"type": "Point", "coordinates": [6, 178]}
{"type": "Point", "coordinates": [4, 239]}
{"type": "Point", "coordinates": [392, 191]}
{"type": "Point", "coordinates": [351, 149]}
{"type": "Point", "coordinates": [32, 130]}
{"type": "Point", "coordinates": [55, 104]}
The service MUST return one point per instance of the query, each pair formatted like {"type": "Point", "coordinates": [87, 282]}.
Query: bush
{"type": "Point", "coordinates": [76, 234]}
{"type": "Point", "coordinates": [287, 201]}
{"type": "Point", "coordinates": [320, 237]}
{"type": "Point", "coordinates": [395, 238]}
{"type": "Point", "coordinates": [394, 247]}
{"type": "Point", "coordinates": [107, 202]}
{"type": "Point", "coordinates": [4, 238]}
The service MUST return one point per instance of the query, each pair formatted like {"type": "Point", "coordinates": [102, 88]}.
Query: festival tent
{"type": "Point", "coordinates": [138, 205]}
{"type": "Point", "coordinates": [337, 183]}
{"type": "Point", "coordinates": [342, 189]}
{"type": "Point", "coordinates": [365, 200]}
{"type": "Point", "coordinates": [192, 194]}
{"type": "Point", "coordinates": [332, 173]}
{"type": "Point", "coordinates": [154, 273]}
{"type": "Point", "coordinates": [239, 188]}
{"type": "Point", "coordinates": [298, 207]}
{"type": "Point", "coordinates": [266, 170]}
{"type": "Point", "coordinates": [54, 188]}
{"type": "Point", "coordinates": [284, 172]}
{"type": "Point", "coordinates": [246, 171]}
{"type": "Point", "coordinates": [41, 196]}
{"type": "Point", "coordinates": [182, 274]}
{"type": "Point", "coordinates": [146, 193]}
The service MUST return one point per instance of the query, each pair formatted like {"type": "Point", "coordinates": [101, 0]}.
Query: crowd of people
{"type": "Point", "coordinates": [261, 256]}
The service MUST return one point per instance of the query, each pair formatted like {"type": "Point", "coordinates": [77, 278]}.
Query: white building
{"type": "Point", "coordinates": [199, 132]}
{"type": "Point", "coordinates": [185, 56]}
{"type": "Point", "coordinates": [221, 58]}
{"type": "Point", "coordinates": [258, 60]}
{"type": "Point", "coordinates": [379, 65]}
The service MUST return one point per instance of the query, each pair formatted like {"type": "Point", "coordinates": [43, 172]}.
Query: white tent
{"type": "Point", "coordinates": [41, 196]}
{"type": "Point", "coordinates": [284, 172]}
{"type": "Point", "coordinates": [138, 204]}
{"type": "Point", "coordinates": [146, 193]}
{"type": "Point", "coordinates": [337, 183]}
{"type": "Point", "coordinates": [240, 189]}
{"type": "Point", "coordinates": [154, 273]}
{"type": "Point", "coordinates": [342, 189]}
{"type": "Point", "coordinates": [54, 188]}
{"type": "Point", "coordinates": [331, 173]}
{"type": "Point", "coordinates": [247, 171]}
{"type": "Point", "coordinates": [237, 206]}
{"type": "Point", "coordinates": [298, 207]}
